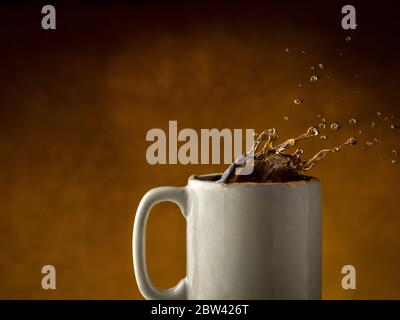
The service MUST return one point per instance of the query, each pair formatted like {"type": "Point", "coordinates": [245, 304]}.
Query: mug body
{"type": "Point", "coordinates": [253, 240]}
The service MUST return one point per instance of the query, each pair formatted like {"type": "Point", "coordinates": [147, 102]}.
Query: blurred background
{"type": "Point", "coordinates": [76, 104]}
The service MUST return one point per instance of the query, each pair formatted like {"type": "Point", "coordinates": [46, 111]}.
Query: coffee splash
{"type": "Point", "coordinates": [273, 163]}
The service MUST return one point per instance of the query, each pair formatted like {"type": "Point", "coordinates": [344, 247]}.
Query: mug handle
{"type": "Point", "coordinates": [151, 198]}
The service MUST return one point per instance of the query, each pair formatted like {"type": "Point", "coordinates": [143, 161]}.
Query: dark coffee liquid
{"type": "Point", "coordinates": [273, 163]}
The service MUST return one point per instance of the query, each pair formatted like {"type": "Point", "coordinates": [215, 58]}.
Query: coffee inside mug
{"type": "Point", "coordinates": [216, 177]}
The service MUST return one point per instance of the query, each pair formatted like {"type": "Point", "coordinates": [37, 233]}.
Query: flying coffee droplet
{"type": "Point", "coordinates": [285, 118]}
{"type": "Point", "coordinates": [303, 51]}
{"type": "Point", "coordinates": [287, 49]}
{"type": "Point", "coordinates": [297, 101]}
{"type": "Point", "coordinates": [351, 141]}
{"type": "Point", "coordinates": [392, 117]}
{"type": "Point", "coordinates": [334, 126]}
{"type": "Point", "coordinates": [394, 152]}
{"type": "Point", "coordinates": [373, 124]}
{"type": "Point", "coordinates": [359, 131]}
{"type": "Point", "coordinates": [312, 67]}
{"type": "Point", "coordinates": [356, 76]}
{"type": "Point", "coordinates": [314, 78]}
{"type": "Point", "coordinates": [323, 120]}
{"type": "Point", "coordinates": [300, 85]}
{"type": "Point", "coordinates": [394, 161]}
{"type": "Point", "coordinates": [386, 118]}
{"type": "Point", "coordinates": [369, 143]}
{"type": "Point", "coordinates": [348, 38]}
{"type": "Point", "coordinates": [321, 66]}
{"type": "Point", "coordinates": [392, 126]}
{"type": "Point", "coordinates": [340, 53]}
{"type": "Point", "coordinates": [324, 137]}
{"type": "Point", "coordinates": [318, 115]}
{"type": "Point", "coordinates": [379, 114]}
{"type": "Point", "coordinates": [312, 131]}
{"type": "Point", "coordinates": [322, 125]}
{"type": "Point", "coordinates": [298, 153]}
{"type": "Point", "coordinates": [352, 121]}
{"type": "Point", "coordinates": [376, 140]}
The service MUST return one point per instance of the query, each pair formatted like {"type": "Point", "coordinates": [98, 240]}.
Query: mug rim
{"type": "Point", "coordinates": [213, 177]}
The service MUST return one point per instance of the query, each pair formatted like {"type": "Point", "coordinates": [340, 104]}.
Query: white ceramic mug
{"type": "Point", "coordinates": [244, 240]}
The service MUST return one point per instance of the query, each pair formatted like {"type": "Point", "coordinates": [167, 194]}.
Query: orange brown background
{"type": "Point", "coordinates": [76, 104]}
